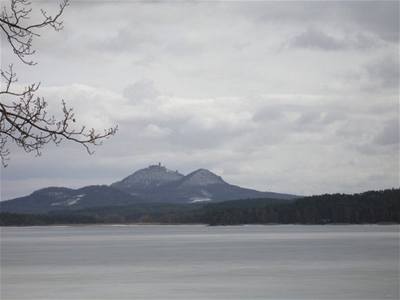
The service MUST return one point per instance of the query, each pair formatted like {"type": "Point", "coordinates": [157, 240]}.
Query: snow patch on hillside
{"type": "Point", "coordinates": [196, 200]}
{"type": "Point", "coordinates": [69, 202]}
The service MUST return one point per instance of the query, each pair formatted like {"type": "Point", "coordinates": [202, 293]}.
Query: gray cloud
{"type": "Point", "coordinates": [383, 73]}
{"type": "Point", "coordinates": [123, 40]}
{"type": "Point", "coordinates": [316, 39]}
{"type": "Point", "coordinates": [140, 91]}
{"type": "Point", "coordinates": [389, 134]}
{"type": "Point", "coordinates": [379, 17]}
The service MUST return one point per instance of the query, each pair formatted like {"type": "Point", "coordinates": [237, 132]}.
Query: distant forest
{"type": "Point", "coordinates": [369, 207]}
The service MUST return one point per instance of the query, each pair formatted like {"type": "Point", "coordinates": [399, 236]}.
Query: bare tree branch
{"type": "Point", "coordinates": [24, 118]}
{"type": "Point", "coordinates": [20, 35]}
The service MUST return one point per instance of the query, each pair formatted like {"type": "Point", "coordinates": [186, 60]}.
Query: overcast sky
{"type": "Point", "coordinates": [295, 97]}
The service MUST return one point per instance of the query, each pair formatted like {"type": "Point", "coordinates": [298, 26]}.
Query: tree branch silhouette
{"type": "Point", "coordinates": [25, 119]}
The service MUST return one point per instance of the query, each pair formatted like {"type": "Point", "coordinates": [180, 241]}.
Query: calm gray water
{"type": "Point", "coordinates": [200, 262]}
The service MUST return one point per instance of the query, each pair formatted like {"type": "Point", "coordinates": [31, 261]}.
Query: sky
{"type": "Point", "coordinates": [295, 97]}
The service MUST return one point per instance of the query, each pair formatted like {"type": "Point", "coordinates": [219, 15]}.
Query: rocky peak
{"type": "Point", "coordinates": [202, 177]}
{"type": "Point", "coordinates": [147, 178]}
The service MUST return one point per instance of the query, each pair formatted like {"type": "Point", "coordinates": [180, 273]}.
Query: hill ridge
{"type": "Point", "coordinates": [154, 184]}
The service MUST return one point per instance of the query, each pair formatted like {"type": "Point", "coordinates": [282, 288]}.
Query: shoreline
{"type": "Point", "coordinates": [196, 224]}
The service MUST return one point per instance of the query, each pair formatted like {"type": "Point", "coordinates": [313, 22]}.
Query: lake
{"type": "Point", "coordinates": [200, 262]}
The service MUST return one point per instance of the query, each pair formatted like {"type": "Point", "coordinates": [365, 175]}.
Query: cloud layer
{"type": "Point", "coordinates": [299, 98]}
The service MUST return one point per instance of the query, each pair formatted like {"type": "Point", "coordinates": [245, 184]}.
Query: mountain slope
{"type": "Point", "coordinates": [59, 198]}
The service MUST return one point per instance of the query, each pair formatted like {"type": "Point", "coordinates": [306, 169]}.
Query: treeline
{"type": "Point", "coordinates": [368, 207]}
{"type": "Point", "coordinates": [137, 213]}
{"type": "Point", "coordinates": [14, 219]}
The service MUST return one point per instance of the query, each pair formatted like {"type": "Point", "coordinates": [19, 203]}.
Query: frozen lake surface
{"type": "Point", "coordinates": [199, 262]}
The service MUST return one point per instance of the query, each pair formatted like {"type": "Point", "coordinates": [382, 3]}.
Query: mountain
{"type": "Point", "coordinates": [60, 198]}
{"type": "Point", "coordinates": [199, 186]}
{"type": "Point", "coordinates": [154, 184]}
{"type": "Point", "coordinates": [201, 177]}
{"type": "Point", "coordinates": [148, 179]}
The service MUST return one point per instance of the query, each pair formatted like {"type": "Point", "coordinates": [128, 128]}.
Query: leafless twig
{"type": "Point", "coordinates": [24, 117]}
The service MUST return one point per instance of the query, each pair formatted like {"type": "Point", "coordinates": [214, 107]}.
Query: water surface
{"type": "Point", "coordinates": [199, 262]}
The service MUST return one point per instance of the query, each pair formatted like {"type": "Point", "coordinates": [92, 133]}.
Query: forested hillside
{"type": "Point", "coordinates": [368, 207]}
